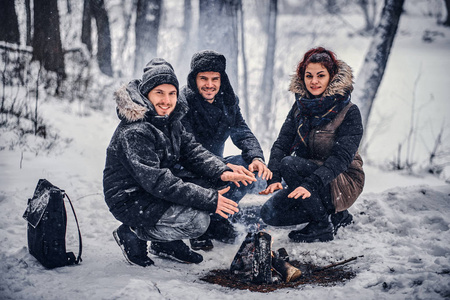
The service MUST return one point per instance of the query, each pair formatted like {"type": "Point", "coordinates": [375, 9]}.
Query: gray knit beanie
{"type": "Point", "coordinates": [157, 72]}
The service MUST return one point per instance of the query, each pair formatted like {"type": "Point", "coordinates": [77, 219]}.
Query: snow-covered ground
{"type": "Point", "coordinates": [401, 233]}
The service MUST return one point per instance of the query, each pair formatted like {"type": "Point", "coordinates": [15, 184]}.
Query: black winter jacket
{"type": "Point", "coordinates": [138, 180]}
{"type": "Point", "coordinates": [212, 124]}
{"type": "Point", "coordinates": [347, 136]}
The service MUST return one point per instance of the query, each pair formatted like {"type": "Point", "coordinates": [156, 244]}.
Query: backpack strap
{"type": "Point", "coordinates": [71, 256]}
{"type": "Point", "coordinates": [336, 122]}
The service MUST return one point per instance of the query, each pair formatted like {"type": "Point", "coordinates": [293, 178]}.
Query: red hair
{"type": "Point", "coordinates": [319, 55]}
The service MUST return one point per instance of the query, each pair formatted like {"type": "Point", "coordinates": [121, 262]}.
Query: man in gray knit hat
{"type": "Point", "coordinates": [213, 117]}
{"type": "Point", "coordinates": [140, 184]}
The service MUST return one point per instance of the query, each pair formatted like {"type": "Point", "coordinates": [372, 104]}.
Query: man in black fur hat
{"type": "Point", "coordinates": [141, 185]}
{"type": "Point", "coordinates": [214, 116]}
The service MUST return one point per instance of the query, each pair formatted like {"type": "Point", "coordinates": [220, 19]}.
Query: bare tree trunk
{"type": "Point", "coordinates": [28, 22]}
{"type": "Point", "coordinates": [267, 82]}
{"type": "Point", "coordinates": [218, 30]}
{"type": "Point", "coordinates": [9, 26]}
{"type": "Point", "coordinates": [188, 41]}
{"type": "Point", "coordinates": [127, 15]}
{"type": "Point", "coordinates": [244, 98]}
{"type": "Point", "coordinates": [372, 70]}
{"type": "Point", "coordinates": [104, 36]}
{"type": "Point", "coordinates": [187, 22]}
{"type": "Point", "coordinates": [332, 7]}
{"type": "Point", "coordinates": [47, 47]}
{"type": "Point", "coordinates": [86, 27]}
{"type": "Point", "coordinates": [148, 15]}
{"type": "Point", "coordinates": [367, 16]}
{"type": "Point", "coordinates": [447, 5]}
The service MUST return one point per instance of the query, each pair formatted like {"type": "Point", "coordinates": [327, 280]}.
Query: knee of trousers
{"type": "Point", "coordinates": [288, 163]}
{"type": "Point", "coordinates": [200, 223]}
{"type": "Point", "coordinates": [266, 214]}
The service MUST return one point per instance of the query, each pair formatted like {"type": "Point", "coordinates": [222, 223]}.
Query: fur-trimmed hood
{"type": "Point", "coordinates": [341, 83]}
{"type": "Point", "coordinates": [132, 106]}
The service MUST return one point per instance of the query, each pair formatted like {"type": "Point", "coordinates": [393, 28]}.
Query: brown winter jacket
{"type": "Point", "coordinates": [348, 185]}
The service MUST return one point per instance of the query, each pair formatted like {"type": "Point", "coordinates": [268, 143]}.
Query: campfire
{"type": "Point", "coordinates": [256, 267]}
{"type": "Point", "coordinates": [256, 262]}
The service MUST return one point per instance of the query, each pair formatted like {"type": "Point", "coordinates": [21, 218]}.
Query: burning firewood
{"type": "Point", "coordinates": [287, 271]}
{"type": "Point", "coordinates": [255, 261]}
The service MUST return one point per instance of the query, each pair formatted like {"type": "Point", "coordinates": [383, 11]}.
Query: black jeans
{"type": "Point", "coordinates": [280, 210]}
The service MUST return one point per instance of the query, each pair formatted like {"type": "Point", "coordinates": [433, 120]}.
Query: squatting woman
{"type": "Point", "coordinates": [316, 152]}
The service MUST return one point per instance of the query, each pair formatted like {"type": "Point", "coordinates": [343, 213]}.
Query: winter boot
{"type": "Point", "coordinates": [319, 229]}
{"type": "Point", "coordinates": [176, 250]}
{"type": "Point", "coordinates": [341, 219]}
{"type": "Point", "coordinates": [133, 248]}
{"type": "Point", "coordinates": [315, 231]}
{"type": "Point", "coordinates": [201, 243]}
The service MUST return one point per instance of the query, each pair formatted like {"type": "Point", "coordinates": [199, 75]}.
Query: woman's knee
{"type": "Point", "coordinates": [270, 212]}
{"type": "Point", "coordinates": [266, 214]}
{"type": "Point", "coordinates": [295, 167]}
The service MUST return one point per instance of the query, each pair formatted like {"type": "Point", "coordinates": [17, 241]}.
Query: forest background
{"type": "Point", "coordinates": [58, 115]}
{"type": "Point", "coordinates": [81, 51]}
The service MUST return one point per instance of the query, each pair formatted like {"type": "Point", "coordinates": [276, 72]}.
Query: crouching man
{"type": "Point", "coordinates": [140, 185]}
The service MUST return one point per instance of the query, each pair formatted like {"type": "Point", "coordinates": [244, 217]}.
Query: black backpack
{"type": "Point", "coordinates": [46, 229]}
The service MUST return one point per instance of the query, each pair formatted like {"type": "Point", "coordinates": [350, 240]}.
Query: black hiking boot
{"type": "Point", "coordinates": [223, 231]}
{"type": "Point", "coordinates": [341, 219]}
{"type": "Point", "coordinates": [314, 232]}
{"type": "Point", "coordinates": [176, 250]}
{"type": "Point", "coordinates": [133, 248]}
{"type": "Point", "coordinates": [201, 243]}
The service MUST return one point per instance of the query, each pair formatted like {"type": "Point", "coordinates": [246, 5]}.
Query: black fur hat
{"type": "Point", "coordinates": [211, 61]}
{"type": "Point", "coordinates": [208, 61]}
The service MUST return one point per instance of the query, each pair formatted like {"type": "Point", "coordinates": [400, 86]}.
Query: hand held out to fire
{"type": "Point", "coordinates": [224, 205]}
{"type": "Point", "coordinates": [272, 188]}
{"type": "Point", "coordinates": [300, 192]}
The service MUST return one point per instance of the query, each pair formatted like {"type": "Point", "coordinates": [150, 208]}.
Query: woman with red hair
{"type": "Point", "coordinates": [316, 152]}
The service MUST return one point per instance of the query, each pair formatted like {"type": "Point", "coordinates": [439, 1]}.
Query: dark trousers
{"type": "Point", "coordinates": [280, 210]}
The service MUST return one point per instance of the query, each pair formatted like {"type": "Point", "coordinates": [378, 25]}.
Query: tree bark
{"type": "Point", "coordinates": [332, 7]}
{"type": "Point", "coordinates": [447, 6]}
{"type": "Point", "coordinates": [9, 26]}
{"type": "Point", "coordinates": [47, 47]}
{"type": "Point", "coordinates": [148, 15]}
{"type": "Point", "coordinates": [28, 21]}
{"type": "Point", "coordinates": [245, 99]}
{"type": "Point", "coordinates": [86, 25]}
{"type": "Point", "coordinates": [188, 40]}
{"type": "Point", "coordinates": [218, 30]}
{"type": "Point", "coordinates": [372, 70]}
{"type": "Point", "coordinates": [104, 36]}
{"type": "Point", "coordinates": [364, 4]}
{"type": "Point", "coordinates": [126, 57]}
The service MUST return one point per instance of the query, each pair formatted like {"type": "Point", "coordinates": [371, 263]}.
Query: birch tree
{"type": "Point", "coordinates": [372, 70]}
